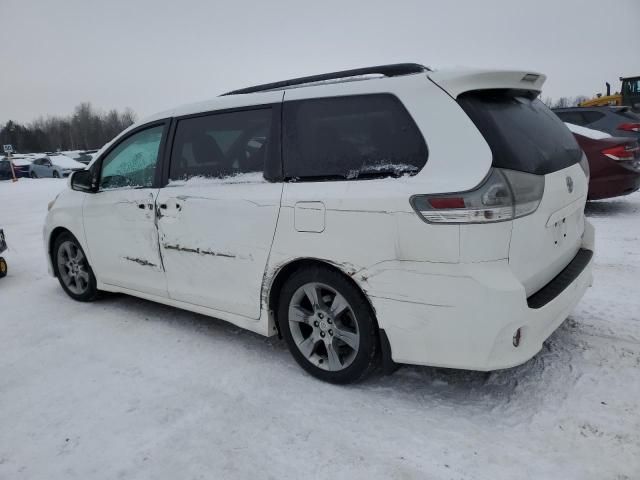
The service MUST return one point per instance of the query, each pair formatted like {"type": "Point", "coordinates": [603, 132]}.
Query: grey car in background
{"type": "Point", "coordinates": [616, 121]}
{"type": "Point", "coordinates": [57, 166]}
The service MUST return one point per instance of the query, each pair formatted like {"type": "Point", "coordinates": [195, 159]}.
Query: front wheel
{"type": "Point", "coordinates": [56, 174]}
{"type": "Point", "coordinates": [73, 270]}
{"type": "Point", "coordinates": [328, 325]}
{"type": "Point", "coordinates": [3, 267]}
{"type": "Point", "coordinates": [33, 175]}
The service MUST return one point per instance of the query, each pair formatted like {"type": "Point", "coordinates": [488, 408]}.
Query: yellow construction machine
{"type": "Point", "coordinates": [629, 95]}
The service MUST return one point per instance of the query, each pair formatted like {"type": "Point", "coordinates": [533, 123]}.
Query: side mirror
{"type": "Point", "coordinates": [83, 181]}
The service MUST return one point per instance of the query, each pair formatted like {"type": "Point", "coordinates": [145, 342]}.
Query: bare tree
{"type": "Point", "coordinates": [85, 129]}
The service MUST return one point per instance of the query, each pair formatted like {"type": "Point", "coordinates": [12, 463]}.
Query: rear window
{"type": "Point", "coordinates": [351, 137]}
{"type": "Point", "coordinates": [522, 132]}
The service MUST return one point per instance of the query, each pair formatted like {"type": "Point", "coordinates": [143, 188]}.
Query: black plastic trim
{"type": "Point", "coordinates": [561, 281]}
{"type": "Point", "coordinates": [392, 70]}
{"type": "Point", "coordinates": [388, 365]}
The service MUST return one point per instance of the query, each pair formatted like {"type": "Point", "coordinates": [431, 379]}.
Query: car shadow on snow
{"type": "Point", "coordinates": [605, 208]}
{"type": "Point", "coordinates": [531, 383]}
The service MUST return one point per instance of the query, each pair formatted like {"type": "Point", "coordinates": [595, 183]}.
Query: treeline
{"type": "Point", "coordinates": [86, 129]}
{"type": "Point", "coordinates": [564, 102]}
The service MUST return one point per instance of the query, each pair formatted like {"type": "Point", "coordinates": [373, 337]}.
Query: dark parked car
{"type": "Point", "coordinates": [614, 162]}
{"type": "Point", "coordinates": [616, 121]}
{"type": "Point", "coordinates": [21, 168]}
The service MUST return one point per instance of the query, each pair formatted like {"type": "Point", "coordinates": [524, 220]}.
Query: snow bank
{"type": "Point", "coordinates": [126, 388]}
{"type": "Point", "coordinates": [587, 132]}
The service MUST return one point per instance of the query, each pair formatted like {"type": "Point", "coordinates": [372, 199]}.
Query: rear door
{"type": "Point", "coordinates": [218, 212]}
{"type": "Point", "coordinates": [524, 135]}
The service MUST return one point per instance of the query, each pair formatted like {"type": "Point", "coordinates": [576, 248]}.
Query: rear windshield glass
{"type": "Point", "coordinates": [351, 138]}
{"type": "Point", "coordinates": [523, 133]}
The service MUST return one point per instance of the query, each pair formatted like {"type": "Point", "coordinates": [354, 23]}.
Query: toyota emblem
{"type": "Point", "coordinates": [569, 184]}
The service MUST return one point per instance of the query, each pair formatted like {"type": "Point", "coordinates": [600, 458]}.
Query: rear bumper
{"type": "Point", "coordinates": [465, 315]}
{"type": "Point", "coordinates": [614, 185]}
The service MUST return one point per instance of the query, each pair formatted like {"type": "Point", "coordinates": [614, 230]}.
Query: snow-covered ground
{"type": "Point", "coordinates": [124, 388]}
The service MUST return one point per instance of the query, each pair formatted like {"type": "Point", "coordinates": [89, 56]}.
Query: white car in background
{"type": "Point", "coordinates": [378, 215]}
{"type": "Point", "coordinates": [56, 166]}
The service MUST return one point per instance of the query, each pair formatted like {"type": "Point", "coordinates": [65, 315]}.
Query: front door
{"type": "Point", "coordinates": [120, 220]}
{"type": "Point", "coordinates": [218, 213]}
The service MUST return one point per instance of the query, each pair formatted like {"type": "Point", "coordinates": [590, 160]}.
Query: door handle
{"type": "Point", "coordinates": [163, 206]}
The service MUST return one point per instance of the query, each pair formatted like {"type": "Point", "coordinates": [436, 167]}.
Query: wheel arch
{"type": "Point", "coordinates": [53, 236]}
{"type": "Point", "coordinates": [286, 270]}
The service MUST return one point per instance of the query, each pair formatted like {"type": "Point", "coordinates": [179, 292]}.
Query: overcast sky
{"type": "Point", "coordinates": [150, 55]}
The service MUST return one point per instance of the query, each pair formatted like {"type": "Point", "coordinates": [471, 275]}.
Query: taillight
{"type": "Point", "coordinates": [504, 195]}
{"type": "Point", "coordinates": [629, 127]}
{"type": "Point", "coordinates": [622, 152]}
{"type": "Point", "coordinates": [627, 155]}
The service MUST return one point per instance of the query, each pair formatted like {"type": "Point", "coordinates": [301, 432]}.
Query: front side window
{"type": "Point", "coordinates": [351, 137]}
{"type": "Point", "coordinates": [133, 162]}
{"type": "Point", "coordinates": [221, 145]}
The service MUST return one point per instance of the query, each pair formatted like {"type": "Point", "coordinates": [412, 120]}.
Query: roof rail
{"type": "Point", "coordinates": [393, 70]}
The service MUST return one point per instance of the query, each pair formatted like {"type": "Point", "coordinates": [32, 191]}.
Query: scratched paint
{"type": "Point", "coordinates": [141, 261]}
{"type": "Point", "coordinates": [199, 251]}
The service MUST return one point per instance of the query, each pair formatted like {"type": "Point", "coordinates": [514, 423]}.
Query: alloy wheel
{"type": "Point", "coordinates": [323, 326]}
{"type": "Point", "coordinates": [73, 268]}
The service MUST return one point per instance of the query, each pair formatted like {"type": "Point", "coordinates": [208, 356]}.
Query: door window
{"type": "Point", "coordinates": [133, 162]}
{"type": "Point", "coordinates": [221, 145]}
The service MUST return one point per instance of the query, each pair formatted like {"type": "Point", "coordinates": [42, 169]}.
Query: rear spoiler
{"type": "Point", "coordinates": [458, 81]}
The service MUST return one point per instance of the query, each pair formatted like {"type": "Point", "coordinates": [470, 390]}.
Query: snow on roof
{"type": "Point", "coordinates": [587, 132]}
{"type": "Point", "coordinates": [65, 162]}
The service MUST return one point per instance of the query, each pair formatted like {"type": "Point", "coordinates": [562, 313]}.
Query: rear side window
{"type": "Point", "coordinates": [575, 118]}
{"type": "Point", "coordinates": [221, 145]}
{"type": "Point", "coordinates": [522, 132]}
{"type": "Point", "coordinates": [590, 116]}
{"type": "Point", "coordinates": [351, 137]}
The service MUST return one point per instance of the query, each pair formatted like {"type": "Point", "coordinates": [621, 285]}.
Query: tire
{"type": "Point", "coordinates": [56, 174]}
{"type": "Point", "coordinates": [335, 337]}
{"type": "Point", "coordinates": [3, 268]}
{"type": "Point", "coordinates": [72, 269]}
{"type": "Point", "coordinates": [33, 175]}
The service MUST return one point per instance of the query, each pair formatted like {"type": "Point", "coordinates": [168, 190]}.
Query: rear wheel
{"type": "Point", "coordinates": [73, 270]}
{"type": "Point", "coordinates": [3, 268]}
{"type": "Point", "coordinates": [328, 325]}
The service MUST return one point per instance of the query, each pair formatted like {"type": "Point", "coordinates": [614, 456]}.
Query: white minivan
{"type": "Point", "coordinates": [376, 216]}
